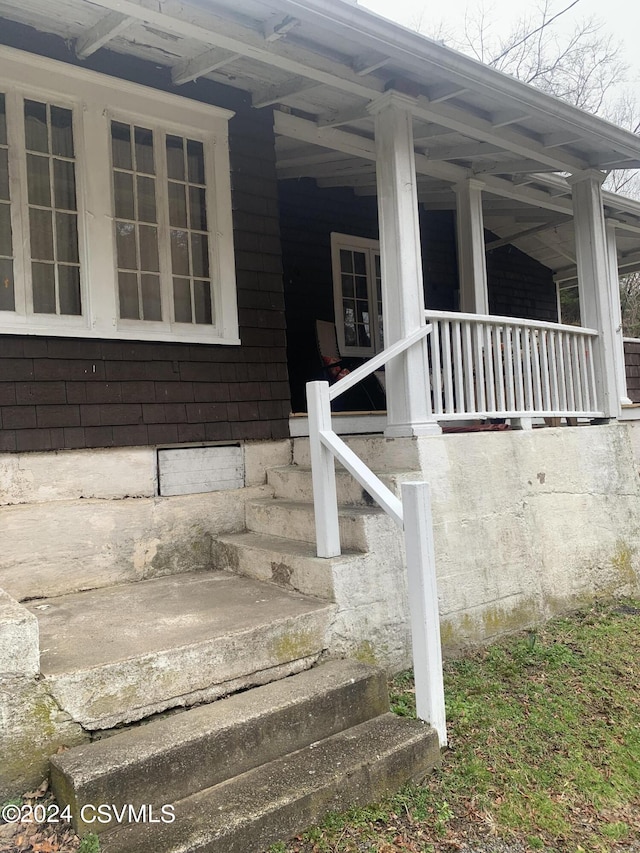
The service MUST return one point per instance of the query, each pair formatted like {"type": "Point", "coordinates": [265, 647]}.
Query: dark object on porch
{"type": "Point", "coordinates": [368, 395]}
{"type": "Point", "coordinates": [483, 427]}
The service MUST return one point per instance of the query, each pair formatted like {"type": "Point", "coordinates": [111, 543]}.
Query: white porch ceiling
{"type": "Point", "coordinates": [321, 62]}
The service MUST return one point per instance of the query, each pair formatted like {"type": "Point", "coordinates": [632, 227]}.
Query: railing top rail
{"type": "Point", "coordinates": [376, 362]}
{"type": "Point", "coordinates": [509, 321]}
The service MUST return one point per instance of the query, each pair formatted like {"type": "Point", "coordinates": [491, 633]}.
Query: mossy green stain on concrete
{"type": "Point", "coordinates": [365, 652]}
{"type": "Point", "coordinates": [293, 645]}
{"type": "Point", "coordinates": [622, 563]}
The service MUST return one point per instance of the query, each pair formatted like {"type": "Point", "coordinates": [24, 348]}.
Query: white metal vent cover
{"type": "Point", "coordinates": [190, 470]}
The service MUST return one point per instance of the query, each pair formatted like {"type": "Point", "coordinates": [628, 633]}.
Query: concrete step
{"type": "Point", "coordinates": [119, 654]}
{"type": "Point", "coordinates": [359, 525]}
{"type": "Point", "coordinates": [170, 759]}
{"type": "Point", "coordinates": [293, 482]}
{"type": "Point", "coordinates": [376, 451]}
{"type": "Point", "coordinates": [278, 799]}
{"type": "Point", "coordinates": [287, 562]}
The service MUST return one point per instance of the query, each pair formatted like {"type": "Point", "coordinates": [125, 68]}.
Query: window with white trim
{"type": "Point", "coordinates": [357, 290]}
{"type": "Point", "coordinates": [115, 208]}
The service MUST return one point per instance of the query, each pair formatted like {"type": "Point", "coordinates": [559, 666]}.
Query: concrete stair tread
{"type": "Point", "coordinates": [281, 545]}
{"type": "Point", "coordinates": [119, 654]}
{"type": "Point", "coordinates": [88, 629]}
{"type": "Point", "coordinates": [274, 801]}
{"type": "Point", "coordinates": [172, 757]}
{"type": "Point", "coordinates": [344, 511]}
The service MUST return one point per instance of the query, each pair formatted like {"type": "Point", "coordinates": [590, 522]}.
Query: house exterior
{"type": "Point", "coordinates": [185, 189]}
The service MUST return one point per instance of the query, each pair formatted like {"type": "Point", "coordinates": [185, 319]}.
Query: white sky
{"type": "Point", "coordinates": [621, 18]}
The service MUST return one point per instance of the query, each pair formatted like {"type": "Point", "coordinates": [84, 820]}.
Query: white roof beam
{"type": "Point", "coordinates": [504, 118]}
{"type": "Point", "coordinates": [440, 94]}
{"type": "Point", "coordinates": [364, 65]}
{"type": "Point", "coordinates": [342, 170]}
{"type": "Point", "coordinates": [217, 31]}
{"type": "Point", "coordinates": [464, 151]}
{"type": "Point", "coordinates": [269, 95]}
{"type": "Point", "coordinates": [344, 117]}
{"type": "Point", "coordinates": [555, 140]}
{"type": "Point", "coordinates": [276, 28]}
{"type": "Point", "coordinates": [484, 131]}
{"type": "Point", "coordinates": [308, 159]}
{"type": "Point", "coordinates": [507, 167]}
{"type": "Point", "coordinates": [528, 232]}
{"type": "Point", "coordinates": [190, 70]}
{"type": "Point", "coordinates": [106, 29]}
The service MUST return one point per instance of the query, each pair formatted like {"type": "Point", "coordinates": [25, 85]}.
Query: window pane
{"type": "Point", "coordinates": [175, 158]}
{"type": "Point", "coordinates": [195, 158]}
{"type": "Point", "coordinates": [64, 184]}
{"type": "Point", "coordinates": [202, 301]}
{"type": "Point", "coordinates": [177, 205]}
{"type": "Point", "coordinates": [69, 289]}
{"type": "Point", "coordinates": [61, 132]}
{"type": "Point", "coordinates": [39, 190]}
{"type": "Point", "coordinates": [151, 303]}
{"type": "Point", "coordinates": [346, 261]}
{"type": "Point", "coordinates": [349, 323]}
{"type": "Point", "coordinates": [198, 208]}
{"type": "Point", "coordinates": [41, 231]}
{"type": "Point", "coordinates": [35, 126]}
{"type": "Point", "coordinates": [4, 174]}
{"type": "Point", "coordinates": [146, 199]}
{"type": "Point", "coordinates": [200, 255]}
{"type": "Point", "coordinates": [359, 263]}
{"type": "Point", "coordinates": [121, 145]}
{"type": "Point", "coordinates": [3, 121]}
{"type": "Point", "coordinates": [5, 230]}
{"type": "Point", "coordinates": [44, 288]}
{"type": "Point", "coordinates": [148, 249]}
{"type": "Point", "coordinates": [347, 285]}
{"type": "Point", "coordinates": [128, 295]}
{"type": "Point", "coordinates": [123, 191]}
{"type": "Point", "coordinates": [180, 252]}
{"type": "Point", "coordinates": [7, 295]}
{"type": "Point", "coordinates": [182, 300]}
{"type": "Point", "coordinates": [67, 237]}
{"type": "Point", "coordinates": [126, 244]}
{"type": "Point", "coordinates": [144, 151]}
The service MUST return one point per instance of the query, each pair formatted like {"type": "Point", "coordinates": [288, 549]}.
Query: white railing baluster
{"type": "Point", "coordinates": [564, 402]}
{"type": "Point", "coordinates": [575, 369]}
{"type": "Point", "coordinates": [519, 366]}
{"type": "Point", "coordinates": [481, 400]}
{"type": "Point", "coordinates": [553, 371]}
{"type": "Point", "coordinates": [543, 344]}
{"type": "Point", "coordinates": [456, 329]}
{"type": "Point", "coordinates": [436, 372]}
{"type": "Point", "coordinates": [510, 376]}
{"type": "Point", "coordinates": [528, 376]}
{"type": "Point", "coordinates": [489, 371]}
{"type": "Point", "coordinates": [587, 403]}
{"type": "Point", "coordinates": [538, 404]}
{"type": "Point", "coordinates": [498, 366]}
{"type": "Point", "coordinates": [469, 372]}
{"type": "Point", "coordinates": [569, 384]}
{"type": "Point", "coordinates": [447, 368]}
{"type": "Point", "coordinates": [592, 373]}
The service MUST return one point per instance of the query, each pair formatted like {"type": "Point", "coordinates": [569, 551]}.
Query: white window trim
{"type": "Point", "coordinates": [348, 241]}
{"type": "Point", "coordinates": [95, 100]}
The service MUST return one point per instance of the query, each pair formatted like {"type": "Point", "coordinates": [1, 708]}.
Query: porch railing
{"type": "Point", "coordinates": [412, 514]}
{"type": "Point", "coordinates": [488, 366]}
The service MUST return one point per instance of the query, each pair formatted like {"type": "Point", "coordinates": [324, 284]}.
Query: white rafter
{"type": "Point", "coordinates": [106, 29]}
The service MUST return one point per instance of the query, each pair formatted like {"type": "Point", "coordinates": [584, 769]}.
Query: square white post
{"type": "Point", "coordinates": [472, 259]}
{"type": "Point", "coordinates": [323, 472]}
{"type": "Point", "coordinates": [423, 607]}
{"type": "Point", "coordinates": [408, 385]}
{"type": "Point", "coordinates": [594, 282]}
{"type": "Point", "coordinates": [616, 312]}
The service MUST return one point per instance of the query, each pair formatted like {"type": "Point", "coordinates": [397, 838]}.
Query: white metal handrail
{"type": "Point", "coordinates": [412, 514]}
{"type": "Point", "coordinates": [490, 366]}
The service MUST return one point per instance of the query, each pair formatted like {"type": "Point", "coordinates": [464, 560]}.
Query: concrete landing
{"type": "Point", "coordinates": [119, 654]}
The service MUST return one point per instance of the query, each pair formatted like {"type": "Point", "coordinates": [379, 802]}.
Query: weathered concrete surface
{"type": "Point", "coordinates": [119, 654]}
{"type": "Point", "coordinates": [71, 474]}
{"type": "Point", "coordinates": [19, 649]}
{"type": "Point", "coordinates": [278, 799]}
{"type": "Point", "coordinates": [170, 759]}
{"type": "Point", "coordinates": [63, 546]}
{"type": "Point", "coordinates": [259, 456]}
{"type": "Point", "coordinates": [526, 524]}
{"type": "Point", "coordinates": [32, 727]}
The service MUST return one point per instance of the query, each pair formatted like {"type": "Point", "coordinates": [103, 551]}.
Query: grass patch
{"type": "Point", "coordinates": [544, 735]}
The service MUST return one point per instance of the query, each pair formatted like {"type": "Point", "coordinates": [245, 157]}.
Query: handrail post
{"type": "Point", "coordinates": [325, 496]}
{"type": "Point", "coordinates": [423, 607]}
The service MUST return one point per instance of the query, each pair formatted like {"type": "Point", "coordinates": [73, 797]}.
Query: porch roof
{"type": "Point", "coordinates": [321, 62]}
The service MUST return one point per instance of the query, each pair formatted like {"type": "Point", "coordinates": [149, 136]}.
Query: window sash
{"type": "Point", "coordinates": [93, 99]}
{"type": "Point", "coordinates": [358, 290]}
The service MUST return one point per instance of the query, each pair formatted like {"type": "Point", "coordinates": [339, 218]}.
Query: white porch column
{"type": "Point", "coordinates": [594, 282]}
{"type": "Point", "coordinates": [616, 312]}
{"type": "Point", "coordinates": [408, 386]}
{"type": "Point", "coordinates": [472, 259]}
